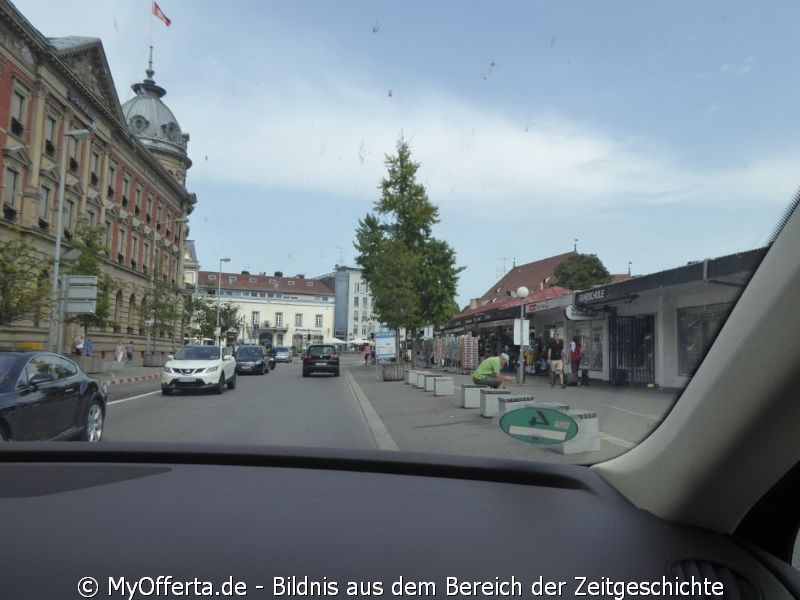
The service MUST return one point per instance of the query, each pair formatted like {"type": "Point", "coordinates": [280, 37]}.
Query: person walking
{"type": "Point", "coordinates": [129, 351]}
{"type": "Point", "coordinates": [79, 344]}
{"type": "Point", "coordinates": [575, 354]}
{"type": "Point", "coordinates": [89, 347]}
{"type": "Point", "coordinates": [120, 352]}
{"type": "Point", "coordinates": [367, 353]}
{"type": "Point", "coordinates": [555, 359]}
{"type": "Point", "coordinates": [488, 372]}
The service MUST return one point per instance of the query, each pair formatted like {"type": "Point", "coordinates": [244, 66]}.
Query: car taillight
{"type": "Point", "coordinates": [334, 357]}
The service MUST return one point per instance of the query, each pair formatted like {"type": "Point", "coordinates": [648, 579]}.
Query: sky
{"type": "Point", "coordinates": [649, 134]}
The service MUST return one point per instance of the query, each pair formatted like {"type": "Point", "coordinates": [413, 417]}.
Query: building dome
{"type": "Point", "coordinates": [152, 121]}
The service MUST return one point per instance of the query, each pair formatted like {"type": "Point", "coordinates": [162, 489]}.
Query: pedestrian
{"type": "Point", "coordinates": [555, 359]}
{"type": "Point", "coordinates": [129, 351]}
{"type": "Point", "coordinates": [120, 352]}
{"type": "Point", "coordinates": [89, 346]}
{"type": "Point", "coordinates": [488, 372]}
{"type": "Point", "coordinates": [575, 354]}
{"type": "Point", "coordinates": [79, 344]}
{"type": "Point", "coordinates": [367, 353]}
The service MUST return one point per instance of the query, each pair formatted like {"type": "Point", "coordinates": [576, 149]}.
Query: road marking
{"type": "Point", "coordinates": [121, 400]}
{"type": "Point", "coordinates": [616, 441]}
{"type": "Point", "coordinates": [380, 435]}
{"type": "Point", "coordinates": [633, 412]}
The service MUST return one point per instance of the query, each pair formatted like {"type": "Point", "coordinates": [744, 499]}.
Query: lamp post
{"type": "Point", "coordinates": [219, 291]}
{"type": "Point", "coordinates": [151, 317]}
{"type": "Point", "coordinates": [77, 134]}
{"type": "Point", "coordinates": [522, 293]}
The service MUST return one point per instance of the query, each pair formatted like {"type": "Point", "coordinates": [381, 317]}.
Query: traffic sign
{"type": "Point", "coordinates": [539, 425]}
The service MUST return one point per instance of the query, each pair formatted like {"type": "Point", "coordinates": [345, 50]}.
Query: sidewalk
{"type": "Point", "coordinates": [418, 420]}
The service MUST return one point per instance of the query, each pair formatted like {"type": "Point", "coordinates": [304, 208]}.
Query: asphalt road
{"type": "Point", "coordinates": [280, 408]}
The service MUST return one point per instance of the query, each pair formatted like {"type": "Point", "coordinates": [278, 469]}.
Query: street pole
{"type": "Point", "coordinates": [219, 291]}
{"type": "Point", "coordinates": [522, 293]}
{"type": "Point", "coordinates": [78, 134]}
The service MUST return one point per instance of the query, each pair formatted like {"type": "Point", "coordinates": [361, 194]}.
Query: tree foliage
{"type": "Point", "coordinates": [412, 275]}
{"type": "Point", "coordinates": [581, 271]}
{"type": "Point", "coordinates": [202, 315]}
{"type": "Point", "coordinates": [22, 272]}
{"type": "Point", "coordinates": [90, 242]}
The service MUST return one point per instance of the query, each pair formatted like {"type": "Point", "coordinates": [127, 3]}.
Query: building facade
{"type": "Point", "coordinates": [354, 318]}
{"type": "Point", "coordinates": [276, 310]}
{"type": "Point", "coordinates": [122, 169]}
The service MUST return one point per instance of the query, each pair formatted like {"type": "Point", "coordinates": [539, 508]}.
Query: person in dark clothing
{"type": "Point", "coordinates": [555, 359]}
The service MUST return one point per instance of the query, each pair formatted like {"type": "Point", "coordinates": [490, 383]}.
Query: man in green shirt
{"type": "Point", "coordinates": [488, 372]}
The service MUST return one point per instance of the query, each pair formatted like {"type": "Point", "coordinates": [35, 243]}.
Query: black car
{"type": "Point", "coordinates": [44, 396]}
{"type": "Point", "coordinates": [250, 359]}
{"type": "Point", "coordinates": [320, 358]}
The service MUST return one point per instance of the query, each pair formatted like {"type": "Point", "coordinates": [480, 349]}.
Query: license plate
{"type": "Point", "coordinates": [322, 364]}
{"type": "Point", "coordinates": [186, 379]}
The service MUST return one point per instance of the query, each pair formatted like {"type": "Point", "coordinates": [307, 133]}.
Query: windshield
{"type": "Point", "coordinates": [197, 353]}
{"type": "Point", "coordinates": [556, 202]}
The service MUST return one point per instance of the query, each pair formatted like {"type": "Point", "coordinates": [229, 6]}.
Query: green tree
{"type": "Point", "coordinates": [412, 275]}
{"type": "Point", "coordinates": [90, 242]}
{"type": "Point", "coordinates": [21, 270]}
{"type": "Point", "coordinates": [203, 316]}
{"type": "Point", "coordinates": [581, 271]}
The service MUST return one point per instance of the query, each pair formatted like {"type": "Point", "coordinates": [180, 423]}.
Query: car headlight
{"type": "Point", "coordinates": [168, 370]}
{"type": "Point", "coordinates": [212, 369]}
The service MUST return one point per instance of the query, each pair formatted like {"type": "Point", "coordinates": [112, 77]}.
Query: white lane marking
{"type": "Point", "coordinates": [616, 441]}
{"type": "Point", "coordinates": [121, 400]}
{"type": "Point", "coordinates": [633, 412]}
{"type": "Point", "coordinates": [380, 435]}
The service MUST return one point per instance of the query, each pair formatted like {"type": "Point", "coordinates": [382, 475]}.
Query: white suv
{"type": "Point", "coordinates": [199, 368]}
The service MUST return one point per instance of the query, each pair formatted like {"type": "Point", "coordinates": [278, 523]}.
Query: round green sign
{"type": "Point", "coordinates": [539, 425]}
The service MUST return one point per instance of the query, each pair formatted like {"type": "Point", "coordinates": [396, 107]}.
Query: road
{"type": "Point", "coordinates": [280, 408]}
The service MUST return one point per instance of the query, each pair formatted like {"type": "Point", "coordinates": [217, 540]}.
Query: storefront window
{"type": "Point", "coordinates": [595, 355]}
{"type": "Point", "coordinates": [697, 328]}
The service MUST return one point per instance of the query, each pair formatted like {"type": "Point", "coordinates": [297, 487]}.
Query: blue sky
{"type": "Point", "coordinates": [654, 133]}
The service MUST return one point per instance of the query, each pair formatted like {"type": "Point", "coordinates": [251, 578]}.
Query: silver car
{"type": "Point", "coordinates": [283, 354]}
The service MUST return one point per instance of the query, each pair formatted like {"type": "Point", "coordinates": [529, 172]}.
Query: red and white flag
{"type": "Point", "coordinates": [160, 14]}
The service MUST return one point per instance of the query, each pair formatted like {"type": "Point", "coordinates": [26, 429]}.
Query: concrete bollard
{"type": "Point", "coordinates": [471, 395]}
{"type": "Point", "coordinates": [421, 379]}
{"type": "Point", "coordinates": [429, 380]}
{"type": "Point", "coordinates": [512, 401]}
{"type": "Point", "coordinates": [443, 386]}
{"type": "Point", "coordinates": [489, 397]}
{"type": "Point", "coordinates": [588, 437]}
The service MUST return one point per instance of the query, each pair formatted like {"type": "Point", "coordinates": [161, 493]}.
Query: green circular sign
{"type": "Point", "coordinates": [539, 425]}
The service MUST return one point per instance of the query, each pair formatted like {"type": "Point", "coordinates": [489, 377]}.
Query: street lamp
{"type": "Point", "coordinates": [151, 317]}
{"type": "Point", "coordinates": [522, 293]}
{"type": "Point", "coordinates": [219, 291]}
{"type": "Point", "coordinates": [77, 134]}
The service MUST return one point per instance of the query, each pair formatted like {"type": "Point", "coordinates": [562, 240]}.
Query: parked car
{"type": "Point", "coordinates": [320, 358]}
{"type": "Point", "coordinates": [199, 368]}
{"type": "Point", "coordinates": [44, 396]}
{"type": "Point", "coordinates": [283, 354]}
{"type": "Point", "coordinates": [250, 359]}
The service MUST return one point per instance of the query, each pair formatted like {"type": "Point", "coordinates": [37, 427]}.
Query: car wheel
{"type": "Point", "coordinates": [166, 391]}
{"type": "Point", "coordinates": [305, 373]}
{"type": "Point", "coordinates": [4, 437]}
{"type": "Point", "coordinates": [336, 372]}
{"type": "Point", "coordinates": [264, 370]}
{"type": "Point", "coordinates": [93, 425]}
{"type": "Point", "coordinates": [220, 387]}
{"type": "Point", "coordinates": [232, 381]}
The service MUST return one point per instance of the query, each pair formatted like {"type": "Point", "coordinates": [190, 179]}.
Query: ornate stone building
{"type": "Point", "coordinates": [124, 172]}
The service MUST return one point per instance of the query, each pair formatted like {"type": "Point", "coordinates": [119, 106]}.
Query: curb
{"type": "Point", "coordinates": [132, 379]}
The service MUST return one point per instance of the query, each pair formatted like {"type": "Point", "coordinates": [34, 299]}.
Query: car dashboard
{"type": "Point", "coordinates": [126, 520]}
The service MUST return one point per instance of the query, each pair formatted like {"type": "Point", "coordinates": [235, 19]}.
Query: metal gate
{"type": "Point", "coordinates": [632, 348]}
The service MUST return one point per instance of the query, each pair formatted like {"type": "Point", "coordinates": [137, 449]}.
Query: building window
{"type": "Point", "coordinates": [44, 203]}
{"type": "Point", "coordinates": [298, 320]}
{"type": "Point", "coordinates": [355, 329]}
{"type": "Point", "coordinates": [17, 112]}
{"type": "Point", "coordinates": [149, 211]}
{"type": "Point", "coordinates": [366, 302]}
{"type": "Point", "coordinates": [278, 319]}
{"type": "Point", "coordinates": [137, 206]}
{"type": "Point", "coordinates": [93, 167]}
{"type": "Point", "coordinates": [355, 315]}
{"type": "Point", "coordinates": [10, 188]}
{"type": "Point", "coordinates": [291, 282]}
{"type": "Point", "coordinates": [146, 255]}
{"type": "Point", "coordinates": [318, 321]}
{"type": "Point", "coordinates": [255, 319]}
{"type": "Point", "coordinates": [364, 330]}
{"type": "Point", "coordinates": [134, 249]}
{"type": "Point", "coordinates": [69, 211]}
{"type": "Point", "coordinates": [121, 245]}
{"type": "Point", "coordinates": [112, 174]}
{"type": "Point", "coordinates": [212, 277]}
{"type": "Point", "coordinates": [355, 301]}
{"type": "Point", "coordinates": [49, 137]}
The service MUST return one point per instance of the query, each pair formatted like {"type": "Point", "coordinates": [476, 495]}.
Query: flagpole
{"type": "Point", "coordinates": [150, 28]}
